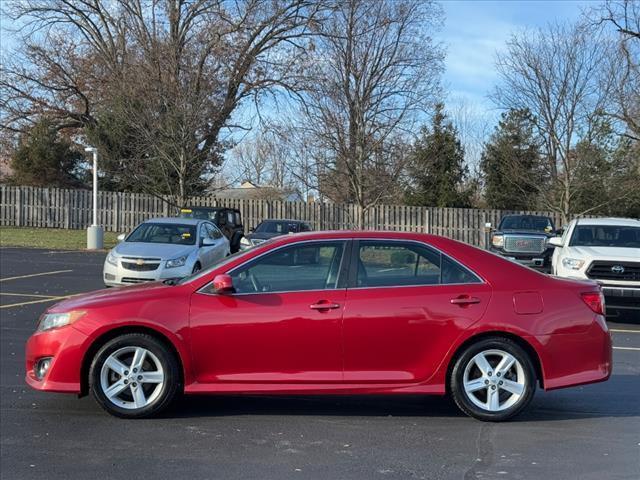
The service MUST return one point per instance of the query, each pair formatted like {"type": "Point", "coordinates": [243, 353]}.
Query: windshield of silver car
{"type": "Point", "coordinates": [172, 233]}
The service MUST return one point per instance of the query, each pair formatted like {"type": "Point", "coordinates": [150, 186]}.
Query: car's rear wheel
{"type": "Point", "coordinates": [134, 375]}
{"type": "Point", "coordinates": [493, 379]}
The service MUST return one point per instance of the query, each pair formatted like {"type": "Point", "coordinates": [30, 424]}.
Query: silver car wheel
{"type": "Point", "coordinates": [132, 377]}
{"type": "Point", "coordinates": [494, 380]}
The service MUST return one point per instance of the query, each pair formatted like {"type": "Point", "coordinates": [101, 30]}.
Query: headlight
{"type": "Point", "coordinates": [497, 240]}
{"type": "Point", "coordinates": [57, 320]}
{"type": "Point", "coordinates": [112, 259]}
{"type": "Point", "coordinates": [176, 262]}
{"type": "Point", "coordinates": [245, 241]}
{"type": "Point", "coordinates": [572, 263]}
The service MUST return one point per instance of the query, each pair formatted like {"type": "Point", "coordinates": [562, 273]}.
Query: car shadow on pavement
{"type": "Point", "coordinates": [616, 398]}
{"type": "Point", "coordinates": [330, 405]}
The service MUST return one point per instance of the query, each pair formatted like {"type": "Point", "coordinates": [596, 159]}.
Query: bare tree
{"type": "Point", "coordinates": [556, 73]}
{"type": "Point", "coordinates": [473, 125]}
{"type": "Point", "coordinates": [374, 73]}
{"type": "Point", "coordinates": [623, 62]}
{"type": "Point", "coordinates": [262, 159]}
{"type": "Point", "coordinates": [172, 71]}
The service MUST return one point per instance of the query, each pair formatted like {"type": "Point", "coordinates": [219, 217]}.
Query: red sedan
{"type": "Point", "coordinates": [334, 313]}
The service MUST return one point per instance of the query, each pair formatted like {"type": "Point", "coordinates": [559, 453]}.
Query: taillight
{"type": "Point", "coordinates": [595, 301]}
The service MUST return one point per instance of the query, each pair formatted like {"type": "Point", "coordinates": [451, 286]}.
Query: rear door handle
{"type": "Point", "coordinates": [465, 300]}
{"type": "Point", "coordinates": [324, 305]}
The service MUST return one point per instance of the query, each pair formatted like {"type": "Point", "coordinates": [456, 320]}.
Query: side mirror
{"type": "Point", "coordinates": [487, 227]}
{"type": "Point", "coordinates": [208, 242]}
{"type": "Point", "coordinates": [223, 284]}
{"type": "Point", "coordinates": [555, 241]}
{"type": "Point", "coordinates": [121, 237]}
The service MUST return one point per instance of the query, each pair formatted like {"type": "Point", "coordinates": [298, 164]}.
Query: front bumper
{"type": "Point", "coordinates": [622, 298]}
{"type": "Point", "coordinates": [117, 275]}
{"type": "Point", "coordinates": [66, 346]}
{"type": "Point", "coordinates": [538, 261]}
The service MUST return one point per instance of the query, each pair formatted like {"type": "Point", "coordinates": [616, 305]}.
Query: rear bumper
{"type": "Point", "coordinates": [574, 359]}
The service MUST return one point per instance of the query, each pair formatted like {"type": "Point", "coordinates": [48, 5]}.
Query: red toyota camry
{"type": "Point", "coordinates": [330, 312]}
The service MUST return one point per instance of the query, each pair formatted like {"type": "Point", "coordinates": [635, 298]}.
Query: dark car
{"type": "Point", "coordinates": [272, 228]}
{"type": "Point", "coordinates": [228, 220]}
{"type": "Point", "coordinates": [523, 238]}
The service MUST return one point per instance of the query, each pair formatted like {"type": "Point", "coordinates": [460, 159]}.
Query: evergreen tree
{"type": "Point", "coordinates": [437, 173]}
{"type": "Point", "coordinates": [607, 176]}
{"type": "Point", "coordinates": [44, 159]}
{"type": "Point", "coordinates": [510, 164]}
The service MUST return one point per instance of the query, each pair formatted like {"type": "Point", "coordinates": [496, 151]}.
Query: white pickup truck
{"type": "Point", "coordinates": [606, 250]}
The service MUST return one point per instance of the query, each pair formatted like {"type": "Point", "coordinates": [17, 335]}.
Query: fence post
{"type": "Point", "coordinates": [19, 207]}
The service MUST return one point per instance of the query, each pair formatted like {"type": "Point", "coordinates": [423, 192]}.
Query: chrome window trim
{"type": "Point", "coordinates": [324, 240]}
{"type": "Point", "coordinates": [481, 280]}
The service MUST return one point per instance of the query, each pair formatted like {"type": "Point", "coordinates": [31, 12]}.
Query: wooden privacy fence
{"type": "Point", "coordinates": [121, 212]}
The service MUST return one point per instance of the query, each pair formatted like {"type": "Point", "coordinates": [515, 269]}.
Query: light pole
{"type": "Point", "coordinates": [95, 236]}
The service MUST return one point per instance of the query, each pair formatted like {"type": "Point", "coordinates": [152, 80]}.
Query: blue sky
{"type": "Point", "coordinates": [475, 30]}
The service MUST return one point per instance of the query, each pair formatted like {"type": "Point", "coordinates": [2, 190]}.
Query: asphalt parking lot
{"type": "Point", "coordinates": [590, 432]}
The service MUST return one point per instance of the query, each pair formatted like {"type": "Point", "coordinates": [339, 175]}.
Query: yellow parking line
{"type": "Point", "coordinates": [43, 300]}
{"type": "Point", "coordinates": [34, 275]}
{"type": "Point", "coordinates": [27, 295]}
{"type": "Point", "coordinates": [627, 348]}
{"type": "Point", "coordinates": [624, 331]}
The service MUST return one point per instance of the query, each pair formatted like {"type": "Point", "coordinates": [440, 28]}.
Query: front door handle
{"type": "Point", "coordinates": [465, 300]}
{"type": "Point", "coordinates": [324, 305]}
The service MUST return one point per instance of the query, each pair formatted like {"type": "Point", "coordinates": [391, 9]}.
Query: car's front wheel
{"type": "Point", "coordinates": [134, 375]}
{"type": "Point", "coordinates": [493, 379]}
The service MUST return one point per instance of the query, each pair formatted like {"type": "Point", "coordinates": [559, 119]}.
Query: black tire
{"type": "Point", "coordinates": [166, 392]}
{"type": "Point", "coordinates": [196, 268]}
{"type": "Point", "coordinates": [465, 359]}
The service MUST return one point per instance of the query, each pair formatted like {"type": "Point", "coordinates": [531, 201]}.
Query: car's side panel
{"type": "Point", "coordinates": [267, 337]}
{"type": "Point", "coordinates": [401, 334]}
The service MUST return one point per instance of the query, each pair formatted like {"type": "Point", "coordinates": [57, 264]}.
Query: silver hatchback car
{"type": "Point", "coordinates": [163, 248]}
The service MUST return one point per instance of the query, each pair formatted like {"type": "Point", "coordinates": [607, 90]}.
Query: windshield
{"type": "Point", "coordinates": [200, 213]}
{"type": "Point", "coordinates": [277, 227]}
{"type": "Point", "coordinates": [526, 222]}
{"type": "Point", "coordinates": [172, 233]}
{"type": "Point", "coordinates": [605, 236]}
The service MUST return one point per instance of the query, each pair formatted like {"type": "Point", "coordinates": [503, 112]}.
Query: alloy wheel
{"type": "Point", "coordinates": [132, 377]}
{"type": "Point", "coordinates": [494, 380]}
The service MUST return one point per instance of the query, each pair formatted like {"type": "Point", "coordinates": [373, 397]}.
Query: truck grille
{"type": "Point", "coordinates": [625, 271]}
{"type": "Point", "coordinates": [135, 265]}
{"type": "Point", "coordinates": [518, 244]}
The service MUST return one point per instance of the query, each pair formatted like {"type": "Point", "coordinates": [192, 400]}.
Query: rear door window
{"type": "Point", "coordinates": [392, 264]}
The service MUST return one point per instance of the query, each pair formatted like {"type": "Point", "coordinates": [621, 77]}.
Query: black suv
{"type": "Point", "coordinates": [523, 238]}
{"type": "Point", "coordinates": [272, 228]}
{"type": "Point", "coordinates": [228, 221]}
